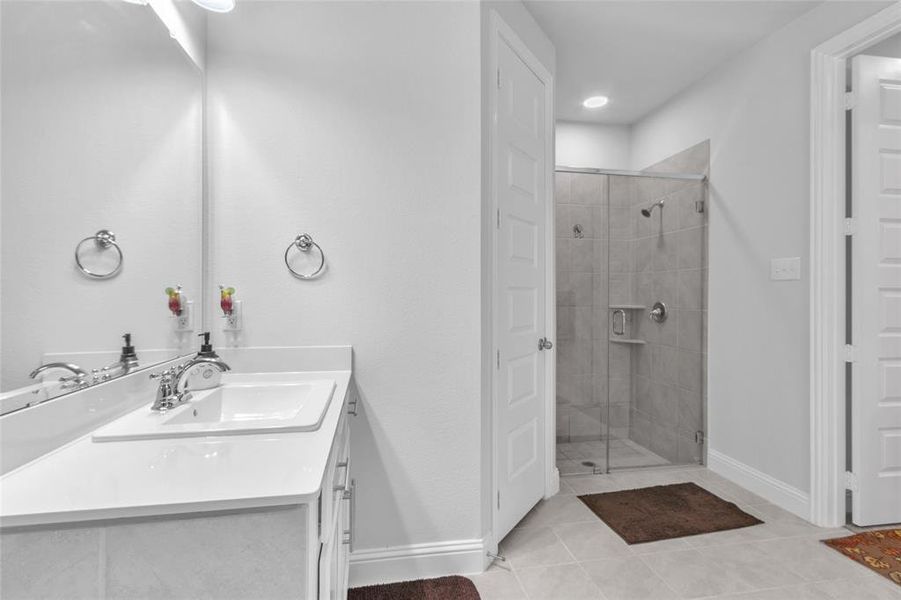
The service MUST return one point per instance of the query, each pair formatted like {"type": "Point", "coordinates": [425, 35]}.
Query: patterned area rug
{"type": "Point", "coordinates": [442, 588]}
{"type": "Point", "coordinates": [664, 512]}
{"type": "Point", "coordinates": [879, 550]}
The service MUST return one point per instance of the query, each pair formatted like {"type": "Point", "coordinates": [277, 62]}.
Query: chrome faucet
{"type": "Point", "coordinates": [74, 369]}
{"type": "Point", "coordinates": [166, 398]}
{"type": "Point", "coordinates": [128, 362]}
{"type": "Point", "coordinates": [168, 394]}
{"type": "Point", "coordinates": [77, 379]}
{"type": "Point", "coordinates": [198, 360]}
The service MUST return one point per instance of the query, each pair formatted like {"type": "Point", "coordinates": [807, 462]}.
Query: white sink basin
{"type": "Point", "coordinates": [231, 409]}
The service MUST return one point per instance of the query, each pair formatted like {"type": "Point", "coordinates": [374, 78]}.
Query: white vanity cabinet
{"type": "Point", "coordinates": [336, 504]}
{"type": "Point", "coordinates": [226, 517]}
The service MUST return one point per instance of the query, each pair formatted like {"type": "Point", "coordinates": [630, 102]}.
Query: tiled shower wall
{"type": "Point", "coordinates": [582, 312]}
{"type": "Point", "coordinates": [581, 201]}
{"type": "Point", "coordinates": [670, 265]}
{"type": "Point", "coordinates": [656, 388]}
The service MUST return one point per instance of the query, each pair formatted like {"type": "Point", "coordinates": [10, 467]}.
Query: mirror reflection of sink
{"type": "Point", "coordinates": [231, 409]}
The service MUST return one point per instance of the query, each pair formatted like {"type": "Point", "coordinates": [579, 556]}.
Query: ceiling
{"type": "Point", "coordinates": [641, 53]}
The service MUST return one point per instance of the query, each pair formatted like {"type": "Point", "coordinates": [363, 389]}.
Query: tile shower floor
{"type": "Point", "coordinates": [572, 456]}
{"type": "Point", "coordinates": [562, 551]}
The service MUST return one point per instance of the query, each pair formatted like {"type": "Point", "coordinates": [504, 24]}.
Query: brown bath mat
{"type": "Point", "coordinates": [442, 588]}
{"type": "Point", "coordinates": [664, 512]}
{"type": "Point", "coordinates": [878, 550]}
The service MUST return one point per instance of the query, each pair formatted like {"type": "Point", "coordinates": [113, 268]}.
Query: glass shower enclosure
{"type": "Point", "coordinates": [631, 272]}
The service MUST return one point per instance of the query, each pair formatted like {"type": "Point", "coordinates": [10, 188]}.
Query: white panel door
{"type": "Point", "coordinates": [876, 290]}
{"type": "Point", "coordinates": [520, 171]}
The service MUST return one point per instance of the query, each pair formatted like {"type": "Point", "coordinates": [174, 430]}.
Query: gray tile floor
{"type": "Point", "coordinates": [572, 456]}
{"type": "Point", "coordinates": [562, 551]}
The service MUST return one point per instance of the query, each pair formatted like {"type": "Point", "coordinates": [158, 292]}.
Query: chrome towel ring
{"type": "Point", "coordinates": [103, 239]}
{"type": "Point", "coordinates": [304, 242]}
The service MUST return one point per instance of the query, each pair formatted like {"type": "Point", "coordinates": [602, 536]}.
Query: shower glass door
{"type": "Point", "coordinates": [631, 316]}
{"type": "Point", "coordinates": [656, 321]}
{"type": "Point", "coordinates": [581, 275]}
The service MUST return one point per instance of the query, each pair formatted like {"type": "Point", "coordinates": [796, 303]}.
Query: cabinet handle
{"type": "Point", "coordinates": [350, 495]}
{"type": "Point", "coordinates": [343, 487]}
{"type": "Point", "coordinates": [352, 407]}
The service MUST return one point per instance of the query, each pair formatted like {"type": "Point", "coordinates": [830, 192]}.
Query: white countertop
{"type": "Point", "coordinates": [86, 480]}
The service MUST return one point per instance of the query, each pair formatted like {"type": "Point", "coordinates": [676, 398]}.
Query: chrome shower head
{"type": "Point", "coordinates": [646, 212]}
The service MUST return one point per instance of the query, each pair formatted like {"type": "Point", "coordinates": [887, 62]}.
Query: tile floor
{"type": "Point", "coordinates": [624, 453]}
{"type": "Point", "coordinates": [562, 551]}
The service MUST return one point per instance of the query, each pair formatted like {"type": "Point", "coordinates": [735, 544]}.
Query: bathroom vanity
{"type": "Point", "coordinates": [248, 495]}
{"type": "Point", "coordinates": [239, 491]}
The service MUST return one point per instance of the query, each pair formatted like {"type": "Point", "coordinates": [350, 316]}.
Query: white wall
{"type": "Point", "coordinates": [755, 111]}
{"type": "Point", "coordinates": [593, 145]}
{"type": "Point", "coordinates": [186, 23]}
{"type": "Point", "coordinates": [101, 129]}
{"type": "Point", "coordinates": [360, 124]}
{"type": "Point", "coordinates": [890, 48]}
{"type": "Point", "coordinates": [520, 20]}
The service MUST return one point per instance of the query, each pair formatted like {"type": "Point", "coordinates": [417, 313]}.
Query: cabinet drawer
{"type": "Point", "coordinates": [333, 559]}
{"type": "Point", "coordinates": [336, 480]}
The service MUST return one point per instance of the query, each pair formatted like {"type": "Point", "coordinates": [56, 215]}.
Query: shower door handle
{"type": "Point", "coordinates": [621, 330]}
{"type": "Point", "coordinates": [545, 344]}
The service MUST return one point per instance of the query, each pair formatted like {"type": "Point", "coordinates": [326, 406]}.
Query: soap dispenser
{"type": "Point", "coordinates": [204, 376]}
{"type": "Point", "coordinates": [206, 348]}
{"type": "Point", "coordinates": [129, 358]}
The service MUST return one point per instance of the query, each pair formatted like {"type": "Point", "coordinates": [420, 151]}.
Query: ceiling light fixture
{"type": "Point", "coordinates": [219, 6]}
{"type": "Point", "coordinates": [593, 102]}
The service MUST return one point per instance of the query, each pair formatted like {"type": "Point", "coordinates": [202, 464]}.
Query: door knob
{"type": "Point", "coordinates": [658, 314]}
{"type": "Point", "coordinates": [545, 344]}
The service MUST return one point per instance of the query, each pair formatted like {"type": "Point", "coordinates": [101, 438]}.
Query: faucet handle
{"type": "Point", "coordinates": [166, 374]}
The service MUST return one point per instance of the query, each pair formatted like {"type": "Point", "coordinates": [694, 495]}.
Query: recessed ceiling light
{"type": "Point", "coordinates": [219, 6]}
{"type": "Point", "coordinates": [594, 101]}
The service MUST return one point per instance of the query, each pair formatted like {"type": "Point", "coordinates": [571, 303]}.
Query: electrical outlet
{"type": "Point", "coordinates": [185, 321]}
{"type": "Point", "coordinates": [233, 321]}
{"type": "Point", "coordinates": [785, 269]}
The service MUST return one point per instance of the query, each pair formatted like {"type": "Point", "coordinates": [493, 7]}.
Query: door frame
{"type": "Point", "coordinates": [827, 260]}
{"type": "Point", "coordinates": [500, 30]}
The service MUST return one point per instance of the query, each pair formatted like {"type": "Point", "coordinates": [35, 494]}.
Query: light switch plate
{"type": "Point", "coordinates": [785, 269]}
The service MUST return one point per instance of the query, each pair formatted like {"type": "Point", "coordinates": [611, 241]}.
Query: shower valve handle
{"type": "Point", "coordinates": [658, 313]}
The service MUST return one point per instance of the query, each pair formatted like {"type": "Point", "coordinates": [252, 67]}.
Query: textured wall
{"type": "Point", "coordinates": [755, 110]}
{"type": "Point", "coordinates": [101, 130]}
{"type": "Point", "coordinates": [360, 124]}
{"type": "Point", "coordinates": [593, 145]}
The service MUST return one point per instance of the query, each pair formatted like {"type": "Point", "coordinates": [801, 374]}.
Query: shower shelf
{"type": "Point", "coordinates": [627, 307]}
{"type": "Point", "coordinates": [626, 341]}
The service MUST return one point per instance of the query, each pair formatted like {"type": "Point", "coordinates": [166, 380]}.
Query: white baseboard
{"type": "Point", "coordinates": [778, 492]}
{"type": "Point", "coordinates": [416, 561]}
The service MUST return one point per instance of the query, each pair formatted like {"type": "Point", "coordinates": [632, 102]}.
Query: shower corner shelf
{"type": "Point", "coordinates": [626, 341]}
{"type": "Point", "coordinates": [627, 307]}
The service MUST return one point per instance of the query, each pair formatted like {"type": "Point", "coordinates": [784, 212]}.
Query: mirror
{"type": "Point", "coordinates": [101, 165]}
